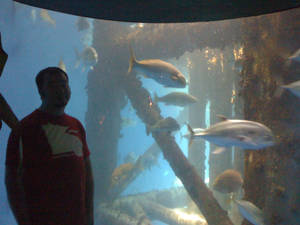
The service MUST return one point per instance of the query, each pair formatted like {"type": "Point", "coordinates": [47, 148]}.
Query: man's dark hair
{"type": "Point", "coordinates": [39, 79]}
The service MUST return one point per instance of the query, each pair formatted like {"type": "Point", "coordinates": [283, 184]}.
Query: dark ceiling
{"type": "Point", "coordinates": [165, 11]}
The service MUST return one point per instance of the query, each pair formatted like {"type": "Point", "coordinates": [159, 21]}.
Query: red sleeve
{"type": "Point", "coordinates": [13, 151]}
{"type": "Point", "coordinates": [86, 151]}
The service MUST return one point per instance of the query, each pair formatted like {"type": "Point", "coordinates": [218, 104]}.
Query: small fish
{"type": "Point", "coordinates": [47, 18]}
{"type": "Point", "coordinates": [229, 181]}
{"type": "Point", "coordinates": [82, 24]}
{"type": "Point", "coordinates": [88, 57]}
{"type": "Point", "coordinates": [250, 212]}
{"type": "Point", "coordinates": [176, 98]}
{"type": "Point", "coordinates": [240, 133]}
{"type": "Point", "coordinates": [62, 65]}
{"type": "Point", "coordinates": [293, 87]}
{"type": "Point", "coordinates": [162, 72]}
{"type": "Point", "coordinates": [164, 125]}
{"type": "Point", "coordinates": [120, 174]}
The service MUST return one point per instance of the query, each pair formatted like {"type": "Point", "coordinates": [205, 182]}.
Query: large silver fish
{"type": "Point", "coordinates": [176, 98]}
{"type": "Point", "coordinates": [293, 87]}
{"type": "Point", "coordinates": [160, 71]}
{"type": "Point", "coordinates": [240, 133]}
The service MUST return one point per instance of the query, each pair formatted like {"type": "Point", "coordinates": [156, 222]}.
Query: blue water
{"type": "Point", "coordinates": [32, 44]}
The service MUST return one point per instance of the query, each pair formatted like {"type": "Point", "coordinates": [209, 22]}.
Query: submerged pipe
{"type": "Point", "coordinates": [149, 113]}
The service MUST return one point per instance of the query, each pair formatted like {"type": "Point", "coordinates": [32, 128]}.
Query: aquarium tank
{"type": "Point", "coordinates": [187, 123]}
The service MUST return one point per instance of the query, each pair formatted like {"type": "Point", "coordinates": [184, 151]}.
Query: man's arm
{"type": "Point", "coordinates": [89, 192]}
{"type": "Point", "coordinates": [16, 195]}
{"type": "Point", "coordinates": [13, 179]}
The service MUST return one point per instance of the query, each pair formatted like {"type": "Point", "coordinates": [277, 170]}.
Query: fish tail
{"type": "Point", "coordinates": [132, 60]}
{"type": "Point", "coordinates": [190, 129]}
{"type": "Point", "coordinates": [192, 133]}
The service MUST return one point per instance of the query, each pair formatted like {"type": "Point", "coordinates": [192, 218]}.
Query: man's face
{"type": "Point", "coordinates": [55, 90]}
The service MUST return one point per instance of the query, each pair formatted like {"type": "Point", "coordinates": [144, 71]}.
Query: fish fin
{"type": "Point", "coordinates": [245, 139]}
{"type": "Point", "coordinates": [174, 77]}
{"type": "Point", "coordinates": [222, 117]}
{"type": "Point", "coordinates": [132, 60]}
{"type": "Point", "coordinates": [219, 150]}
{"type": "Point", "coordinates": [190, 129]}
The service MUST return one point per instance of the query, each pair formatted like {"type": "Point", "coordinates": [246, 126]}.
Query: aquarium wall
{"type": "Point", "coordinates": [187, 123]}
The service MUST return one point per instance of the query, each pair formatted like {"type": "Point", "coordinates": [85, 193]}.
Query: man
{"type": "Point", "coordinates": [48, 170]}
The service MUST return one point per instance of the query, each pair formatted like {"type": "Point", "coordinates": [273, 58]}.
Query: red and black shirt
{"type": "Point", "coordinates": [50, 150]}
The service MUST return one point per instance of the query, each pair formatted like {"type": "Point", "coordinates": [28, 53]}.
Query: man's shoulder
{"type": "Point", "coordinates": [74, 121]}
{"type": "Point", "coordinates": [30, 118]}
{"type": "Point", "coordinates": [72, 118]}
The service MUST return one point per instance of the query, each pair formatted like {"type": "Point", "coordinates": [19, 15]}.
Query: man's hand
{"type": "Point", "coordinates": [3, 57]}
